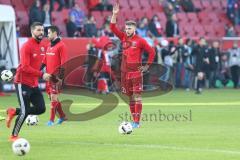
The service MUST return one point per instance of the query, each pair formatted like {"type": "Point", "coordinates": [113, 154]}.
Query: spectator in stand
{"type": "Point", "coordinates": [168, 9]}
{"type": "Point", "coordinates": [18, 33]}
{"type": "Point", "coordinates": [233, 11]}
{"type": "Point", "coordinates": [234, 63]}
{"type": "Point", "coordinates": [172, 27]}
{"type": "Point", "coordinates": [106, 31]}
{"type": "Point", "coordinates": [60, 2]}
{"type": "Point", "coordinates": [176, 5]}
{"type": "Point", "coordinates": [155, 27]}
{"type": "Point", "coordinates": [215, 65]}
{"type": "Point", "coordinates": [69, 3]}
{"type": "Point", "coordinates": [142, 28]}
{"type": "Point", "coordinates": [230, 31]}
{"type": "Point", "coordinates": [188, 64]}
{"type": "Point", "coordinates": [71, 27]}
{"type": "Point", "coordinates": [188, 6]}
{"type": "Point", "coordinates": [35, 14]}
{"type": "Point", "coordinates": [100, 5]}
{"type": "Point", "coordinates": [90, 29]}
{"type": "Point", "coordinates": [47, 18]}
{"type": "Point", "coordinates": [179, 66]}
{"type": "Point", "coordinates": [200, 55]}
{"type": "Point", "coordinates": [79, 16]}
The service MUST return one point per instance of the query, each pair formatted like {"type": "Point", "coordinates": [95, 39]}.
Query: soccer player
{"type": "Point", "coordinates": [131, 66]}
{"type": "Point", "coordinates": [56, 56]}
{"type": "Point", "coordinates": [26, 81]}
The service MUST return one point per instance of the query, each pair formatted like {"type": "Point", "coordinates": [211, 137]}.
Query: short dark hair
{"type": "Point", "coordinates": [54, 29]}
{"type": "Point", "coordinates": [36, 24]}
{"type": "Point", "coordinates": [128, 23]}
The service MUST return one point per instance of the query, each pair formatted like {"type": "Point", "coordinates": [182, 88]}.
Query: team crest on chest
{"type": "Point", "coordinates": [42, 49]}
{"type": "Point", "coordinates": [134, 44]}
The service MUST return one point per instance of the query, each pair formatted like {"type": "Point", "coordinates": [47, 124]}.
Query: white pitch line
{"type": "Point", "coordinates": [155, 146]}
{"type": "Point", "coordinates": [167, 104]}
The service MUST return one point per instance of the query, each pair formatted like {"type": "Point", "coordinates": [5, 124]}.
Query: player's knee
{"type": "Point", "coordinates": [42, 109]}
{"type": "Point", "coordinates": [137, 97]}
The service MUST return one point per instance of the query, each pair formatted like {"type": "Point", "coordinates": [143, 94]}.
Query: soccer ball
{"type": "Point", "coordinates": [32, 120]}
{"type": "Point", "coordinates": [21, 147]}
{"type": "Point", "coordinates": [125, 128]}
{"type": "Point", "coordinates": [6, 75]}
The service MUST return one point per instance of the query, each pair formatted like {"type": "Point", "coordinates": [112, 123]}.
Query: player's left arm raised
{"type": "Point", "coordinates": [151, 55]}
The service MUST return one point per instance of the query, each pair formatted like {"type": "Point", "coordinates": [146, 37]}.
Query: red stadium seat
{"type": "Point", "coordinates": [65, 14]}
{"type": "Point", "coordinates": [124, 3]}
{"type": "Point", "coordinates": [8, 2]}
{"type": "Point", "coordinates": [207, 6]}
{"type": "Point", "coordinates": [182, 17]}
{"type": "Point", "coordinates": [199, 30]}
{"type": "Point", "coordinates": [192, 17]}
{"type": "Point", "coordinates": [145, 4]}
{"type": "Point", "coordinates": [22, 17]}
{"type": "Point", "coordinates": [18, 5]}
{"type": "Point", "coordinates": [197, 4]}
{"type": "Point", "coordinates": [210, 32]}
{"type": "Point", "coordinates": [63, 30]}
{"type": "Point", "coordinates": [139, 14]}
{"type": "Point", "coordinates": [106, 14]}
{"type": "Point", "coordinates": [220, 30]}
{"type": "Point", "coordinates": [134, 4]}
{"type": "Point", "coordinates": [216, 5]}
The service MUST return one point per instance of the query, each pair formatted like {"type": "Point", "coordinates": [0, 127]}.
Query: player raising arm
{"type": "Point", "coordinates": [131, 66]}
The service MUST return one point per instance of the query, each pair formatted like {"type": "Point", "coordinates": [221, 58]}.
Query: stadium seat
{"type": "Point", "coordinates": [135, 4]}
{"type": "Point", "coordinates": [65, 14]}
{"type": "Point", "coordinates": [139, 14]}
{"type": "Point", "coordinates": [8, 2]}
{"type": "Point", "coordinates": [216, 5]}
{"type": "Point", "coordinates": [106, 14]}
{"type": "Point", "coordinates": [182, 17]}
{"type": "Point", "coordinates": [192, 17]}
{"type": "Point", "coordinates": [124, 3]}
{"type": "Point", "coordinates": [197, 4]}
{"type": "Point", "coordinates": [145, 4]}
{"type": "Point", "coordinates": [22, 17]}
{"type": "Point", "coordinates": [220, 30]}
{"type": "Point", "coordinates": [207, 6]}
{"type": "Point", "coordinates": [18, 5]}
{"type": "Point", "coordinates": [199, 30]}
{"type": "Point", "coordinates": [210, 32]}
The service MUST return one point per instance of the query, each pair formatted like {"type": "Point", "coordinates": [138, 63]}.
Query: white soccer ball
{"type": "Point", "coordinates": [32, 120]}
{"type": "Point", "coordinates": [21, 147]}
{"type": "Point", "coordinates": [125, 128]}
{"type": "Point", "coordinates": [6, 75]}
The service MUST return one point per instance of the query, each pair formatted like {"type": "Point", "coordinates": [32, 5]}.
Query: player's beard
{"type": "Point", "coordinates": [131, 35]}
{"type": "Point", "coordinates": [38, 38]}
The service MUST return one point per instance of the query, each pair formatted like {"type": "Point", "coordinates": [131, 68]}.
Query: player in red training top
{"type": "Point", "coordinates": [131, 66]}
{"type": "Point", "coordinates": [56, 56]}
{"type": "Point", "coordinates": [26, 80]}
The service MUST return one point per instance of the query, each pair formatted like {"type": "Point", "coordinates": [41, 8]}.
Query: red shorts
{"type": "Point", "coordinates": [132, 83]}
{"type": "Point", "coordinates": [52, 88]}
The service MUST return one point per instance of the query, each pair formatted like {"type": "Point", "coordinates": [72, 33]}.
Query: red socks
{"type": "Point", "coordinates": [56, 107]}
{"type": "Point", "coordinates": [136, 110]}
{"type": "Point", "coordinates": [60, 111]}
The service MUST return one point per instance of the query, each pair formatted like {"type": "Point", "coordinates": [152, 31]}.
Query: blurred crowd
{"type": "Point", "coordinates": [81, 24]}
{"type": "Point", "coordinates": [188, 64]}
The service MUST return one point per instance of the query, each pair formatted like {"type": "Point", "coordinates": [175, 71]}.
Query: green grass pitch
{"type": "Point", "coordinates": [211, 133]}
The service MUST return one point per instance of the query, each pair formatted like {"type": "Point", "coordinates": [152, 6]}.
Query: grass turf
{"type": "Point", "coordinates": [212, 133]}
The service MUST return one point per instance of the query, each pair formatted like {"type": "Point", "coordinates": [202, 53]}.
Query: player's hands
{"type": "Point", "coordinates": [47, 76]}
{"type": "Point", "coordinates": [143, 68]}
{"type": "Point", "coordinates": [115, 9]}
